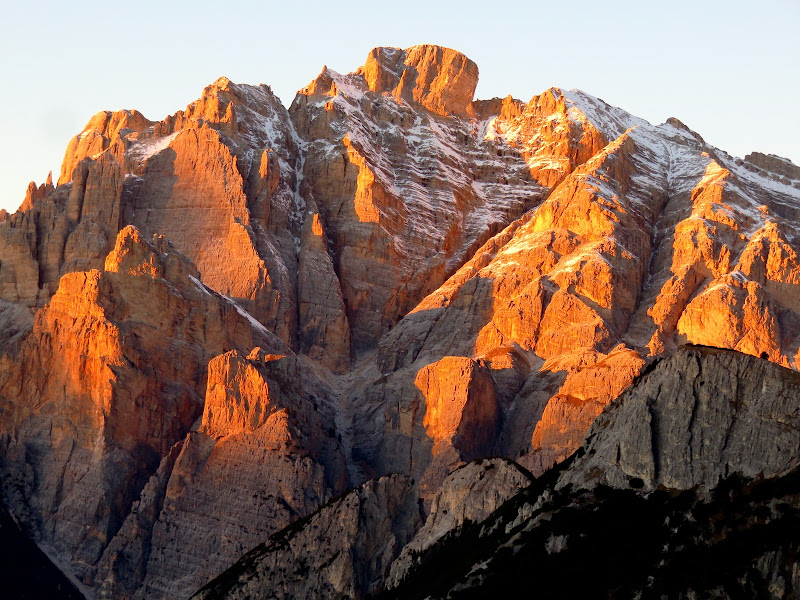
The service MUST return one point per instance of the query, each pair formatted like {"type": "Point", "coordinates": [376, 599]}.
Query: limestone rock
{"type": "Point", "coordinates": [460, 405]}
{"type": "Point", "coordinates": [103, 129]}
{"type": "Point", "coordinates": [344, 550]}
{"type": "Point", "coordinates": [549, 286]}
{"type": "Point", "coordinates": [699, 416]}
{"type": "Point", "coordinates": [324, 328]}
{"type": "Point", "coordinates": [697, 458]}
{"type": "Point", "coordinates": [733, 314]}
{"type": "Point", "coordinates": [440, 79]}
{"type": "Point", "coordinates": [265, 454]}
{"type": "Point", "coordinates": [405, 191]}
{"type": "Point", "coordinates": [469, 494]}
{"type": "Point", "coordinates": [630, 255]}
{"type": "Point", "coordinates": [111, 375]}
{"type": "Point", "coordinates": [774, 164]}
{"type": "Point", "coordinates": [33, 194]}
{"type": "Point", "coordinates": [217, 179]}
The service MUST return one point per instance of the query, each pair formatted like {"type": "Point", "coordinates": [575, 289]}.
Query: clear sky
{"type": "Point", "coordinates": [729, 70]}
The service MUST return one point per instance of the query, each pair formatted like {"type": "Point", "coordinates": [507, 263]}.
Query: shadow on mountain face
{"type": "Point", "coordinates": [26, 572]}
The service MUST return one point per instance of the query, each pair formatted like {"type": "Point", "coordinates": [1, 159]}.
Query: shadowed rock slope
{"type": "Point", "coordinates": [712, 520]}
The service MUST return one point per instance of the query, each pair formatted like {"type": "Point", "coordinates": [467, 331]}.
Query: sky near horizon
{"type": "Point", "coordinates": [729, 70]}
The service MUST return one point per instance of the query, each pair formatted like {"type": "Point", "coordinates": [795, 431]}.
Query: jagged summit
{"type": "Point", "coordinates": [440, 79]}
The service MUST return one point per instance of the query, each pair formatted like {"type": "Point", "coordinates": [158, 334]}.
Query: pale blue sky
{"type": "Point", "coordinates": [729, 70]}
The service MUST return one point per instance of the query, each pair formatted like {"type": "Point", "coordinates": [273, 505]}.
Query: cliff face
{"type": "Point", "coordinates": [720, 524]}
{"type": "Point", "coordinates": [655, 241]}
{"type": "Point", "coordinates": [215, 322]}
{"type": "Point", "coordinates": [264, 455]}
{"type": "Point", "coordinates": [100, 454]}
{"type": "Point", "coordinates": [342, 551]}
{"type": "Point", "coordinates": [410, 178]}
{"type": "Point", "coordinates": [699, 416]}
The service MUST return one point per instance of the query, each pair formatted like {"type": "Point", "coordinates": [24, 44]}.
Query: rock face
{"type": "Point", "coordinates": [699, 416]}
{"type": "Point", "coordinates": [410, 182]}
{"type": "Point", "coordinates": [654, 241]}
{"type": "Point", "coordinates": [110, 376]}
{"type": "Point", "coordinates": [266, 454]}
{"type": "Point", "coordinates": [390, 276]}
{"type": "Point", "coordinates": [468, 495]}
{"type": "Point", "coordinates": [714, 429]}
{"type": "Point", "coordinates": [107, 385]}
{"type": "Point", "coordinates": [440, 79]}
{"type": "Point", "coordinates": [344, 550]}
{"type": "Point", "coordinates": [217, 179]}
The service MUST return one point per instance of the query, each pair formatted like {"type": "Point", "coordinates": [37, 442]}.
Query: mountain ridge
{"type": "Point", "coordinates": [444, 284]}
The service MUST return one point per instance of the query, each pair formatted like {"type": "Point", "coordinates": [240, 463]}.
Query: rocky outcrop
{"type": "Point", "coordinates": [344, 550]}
{"type": "Point", "coordinates": [440, 79]}
{"type": "Point", "coordinates": [547, 289]}
{"type": "Point", "coordinates": [324, 328]}
{"type": "Point", "coordinates": [468, 495]}
{"type": "Point", "coordinates": [777, 165]}
{"type": "Point", "coordinates": [410, 179]}
{"type": "Point", "coordinates": [653, 241]}
{"type": "Point", "coordinates": [265, 454]}
{"type": "Point", "coordinates": [699, 416]}
{"type": "Point", "coordinates": [217, 179]}
{"type": "Point", "coordinates": [110, 376]}
{"type": "Point", "coordinates": [691, 480]}
{"type": "Point", "coordinates": [101, 132]}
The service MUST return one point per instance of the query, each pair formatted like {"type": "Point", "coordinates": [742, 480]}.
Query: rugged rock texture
{"type": "Point", "coordinates": [217, 179]}
{"type": "Point", "coordinates": [324, 328]}
{"type": "Point", "coordinates": [440, 79]}
{"type": "Point", "coordinates": [716, 429]}
{"type": "Point", "coordinates": [344, 550]}
{"type": "Point", "coordinates": [111, 375]}
{"type": "Point", "coordinates": [654, 241]}
{"type": "Point", "coordinates": [266, 454]}
{"type": "Point", "coordinates": [430, 279]}
{"type": "Point", "coordinates": [410, 182]}
{"type": "Point", "coordinates": [468, 495]}
{"type": "Point", "coordinates": [697, 417]}
{"type": "Point", "coordinates": [775, 165]}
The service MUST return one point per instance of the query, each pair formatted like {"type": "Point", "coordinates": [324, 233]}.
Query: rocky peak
{"type": "Point", "coordinates": [383, 69]}
{"type": "Point", "coordinates": [102, 130]}
{"type": "Point", "coordinates": [132, 255]}
{"type": "Point", "coordinates": [678, 124]}
{"type": "Point", "coordinates": [440, 79]}
{"type": "Point", "coordinates": [34, 194]}
{"type": "Point", "coordinates": [774, 164]}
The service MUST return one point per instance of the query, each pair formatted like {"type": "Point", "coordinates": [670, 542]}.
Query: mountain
{"type": "Point", "coordinates": [215, 324]}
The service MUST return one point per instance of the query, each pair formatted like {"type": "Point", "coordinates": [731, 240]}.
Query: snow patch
{"type": "Point", "coordinates": [147, 148]}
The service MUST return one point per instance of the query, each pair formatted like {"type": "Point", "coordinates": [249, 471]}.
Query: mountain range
{"type": "Point", "coordinates": [397, 342]}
